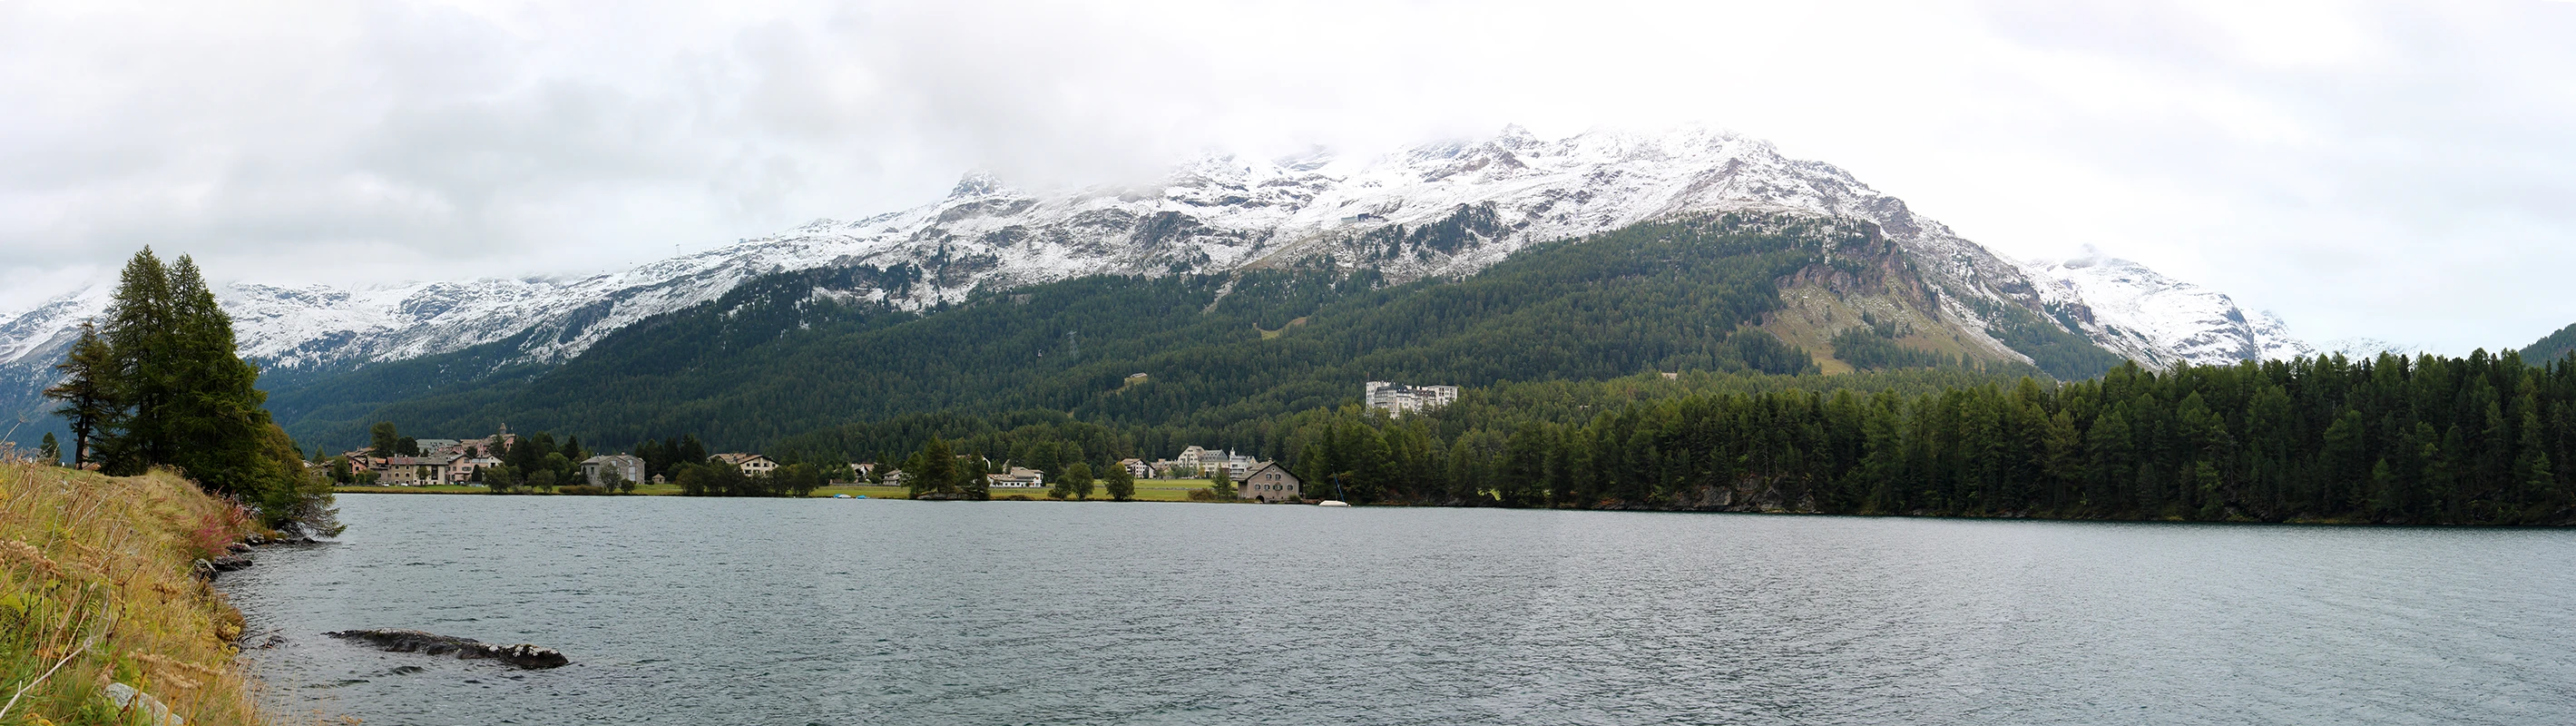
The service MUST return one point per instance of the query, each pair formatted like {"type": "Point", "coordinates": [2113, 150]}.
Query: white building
{"type": "Point", "coordinates": [465, 469]}
{"type": "Point", "coordinates": [1019, 477]}
{"type": "Point", "coordinates": [627, 467]}
{"type": "Point", "coordinates": [750, 464]}
{"type": "Point", "coordinates": [1193, 458]}
{"type": "Point", "coordinates": [1195, 462]}
{"type": "Point", "coordinates": [1400, 400]}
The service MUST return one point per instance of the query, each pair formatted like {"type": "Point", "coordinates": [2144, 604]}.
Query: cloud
{"type": "Point", "coordinates": [2381, 169]}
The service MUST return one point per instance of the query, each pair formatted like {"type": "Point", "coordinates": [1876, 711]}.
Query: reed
{"type": "Point", "coordinates": [95, 589]}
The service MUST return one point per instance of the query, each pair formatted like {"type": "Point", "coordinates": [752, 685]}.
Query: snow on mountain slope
{"type": "Point", "coordinates": [2158, 320]}
{"type": "Point", "coordinates": [2370, 348]}
{"type": "Point", "coordinates": [1450, 208]}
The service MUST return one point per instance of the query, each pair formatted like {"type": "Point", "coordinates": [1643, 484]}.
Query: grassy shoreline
{"type": "Point", "coordinates": [1150, 490]}
{"type": "Point", "coordinates": [96, 589]}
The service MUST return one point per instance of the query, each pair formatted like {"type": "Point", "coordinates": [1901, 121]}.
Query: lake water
{"type": "Point", "coordinates": [699, 611]}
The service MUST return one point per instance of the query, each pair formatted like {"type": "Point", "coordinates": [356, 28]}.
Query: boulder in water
{"type": "Point", "coordinates": [413, 641]}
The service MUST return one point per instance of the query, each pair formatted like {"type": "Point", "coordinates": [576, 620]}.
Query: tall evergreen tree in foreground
{"type": "Point", "coordinates": [162, 385]}
{"type": "Point", "coordinates": [88, 393]}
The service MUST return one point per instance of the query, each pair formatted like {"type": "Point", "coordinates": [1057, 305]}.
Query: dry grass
{"type": "Point", "coordinates": [95, 589]}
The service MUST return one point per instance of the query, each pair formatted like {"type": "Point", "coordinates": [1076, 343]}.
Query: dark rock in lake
{"type": "Point", "coordinates": [413, 641]}
{"type": "Point", "coordinates": [228, 563]}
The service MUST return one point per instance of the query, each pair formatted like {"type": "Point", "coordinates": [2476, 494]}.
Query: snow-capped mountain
{"type": "Point", "coordinates": [2369, 348]}
{"type": "Point", "coordinates": [1462, 206]}
{"type": "Point", "coordinates": [2157, 320]}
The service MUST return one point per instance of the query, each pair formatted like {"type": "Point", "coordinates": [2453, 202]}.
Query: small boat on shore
{"type": "Point", "coordinates": [1332, 503]}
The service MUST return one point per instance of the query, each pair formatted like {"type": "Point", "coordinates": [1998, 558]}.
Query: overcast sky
{"type": "Point", "coordinates": [2404, 171]}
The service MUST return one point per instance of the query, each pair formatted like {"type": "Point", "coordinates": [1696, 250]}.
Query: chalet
{"type": "Point", "coordinates": [599, 470]}
{"type": "Point", "coordinates": [1137, 468]}
{"type": "Point", "coordinates": [750, 464]}
{"type": "Point", "coordinates": [466, 468]}
{"type": "Point", "coordinates": [1195, 462]}
{"type": "Point", "coordinates": [1018, 477]}
{"type": "Point", "coordinates": [1271, 483]}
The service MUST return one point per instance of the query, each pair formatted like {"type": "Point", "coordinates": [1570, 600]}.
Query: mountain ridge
{"type": "Point", "coordinates": [1434, 210]}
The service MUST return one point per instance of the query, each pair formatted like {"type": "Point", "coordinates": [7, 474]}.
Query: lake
{"type": "Point", "coordinates": [698, 611]}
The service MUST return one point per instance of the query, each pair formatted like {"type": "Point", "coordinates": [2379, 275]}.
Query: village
{"type": "Point", "coordinates": [472, 463]}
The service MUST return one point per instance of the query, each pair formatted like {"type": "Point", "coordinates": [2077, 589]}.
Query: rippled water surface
{"type": "Point", "coordinates": [690, 611]}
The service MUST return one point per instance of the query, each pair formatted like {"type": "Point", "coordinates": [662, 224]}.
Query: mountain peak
{"type": "Point", "coordinates": [1444, 209]}
{"type": "Point", "coordinates": [2144, 315]}
{"type": "Point", "coordinates": [977, 184]}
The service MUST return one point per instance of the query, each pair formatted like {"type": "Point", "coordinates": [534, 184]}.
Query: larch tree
{"type": "Point", "coordinates": [91, 404]}
{"type": "Point", "coordinates": [182, 397]}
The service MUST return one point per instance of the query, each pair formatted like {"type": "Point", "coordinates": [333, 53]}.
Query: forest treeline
{"type": "Point", "coordinates": [2425, 440]}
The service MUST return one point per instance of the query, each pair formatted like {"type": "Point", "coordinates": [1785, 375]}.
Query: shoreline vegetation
{"type": "Point", "coordinates": [108, 614]}
{"type": "Point", "coordinates": [99, 594]}
{"type": "Point", "coordinates": [2483, 440]}
{"type": "Point", "coordinates": [2428, 440]}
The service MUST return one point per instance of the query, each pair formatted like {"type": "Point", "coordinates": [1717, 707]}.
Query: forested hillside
{"type": "Point", "coordinates": [2478, 440]}
{"type": "Point", "coordinates": [2551, 347]}
{"type": "Point", "coordinates": [811, 350]}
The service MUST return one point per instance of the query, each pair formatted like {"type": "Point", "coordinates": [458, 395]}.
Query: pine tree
{"type": "Point", "coordinates": [979, 485]}
{"type": "Point", "coordinates": [190, 402]}
{"type": "Point", "coordinates": [2533, 479]}
{"type": "Point", "coordinates": [936, 471]}
{"type": "Point", "coordinates": [139, 333]}
{"type": "Point", "coordinates": [194, 404]}
{"type": "Point", "coordinates": [91, 404]}
{"type": "Point", "coordinates": [691, 450]}
{"type": "Point", "coordinates": [50, 450]}
{"type": "Point", "coordinates": [2064, 464]}
{"type": "Point", "coordinates": [1219, 486]}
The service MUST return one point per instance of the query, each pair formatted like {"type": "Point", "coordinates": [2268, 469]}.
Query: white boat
{"type": "Point", "coordinates": [840, 496]}
{"type": "Point", "coordinates": [1332, 503]}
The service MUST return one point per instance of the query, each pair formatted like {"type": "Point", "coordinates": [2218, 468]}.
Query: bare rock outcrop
{"type": "Point", "coordinates": [413, 641]}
